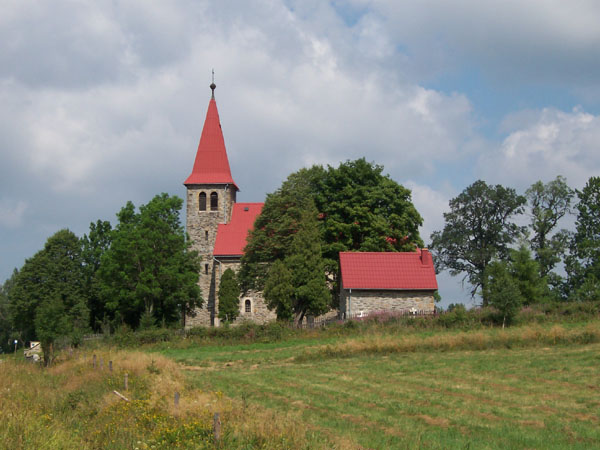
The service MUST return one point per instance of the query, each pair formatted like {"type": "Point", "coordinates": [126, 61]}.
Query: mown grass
{"type": "Point", "coordinates": [528, 387]}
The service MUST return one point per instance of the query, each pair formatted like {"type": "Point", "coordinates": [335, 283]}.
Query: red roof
{"type": "Point", "coordinates": [231, 237]}
{"type": "Point", "coordinates": [393, 271]}
{"type": "Point", "coordinates": [211, 165]}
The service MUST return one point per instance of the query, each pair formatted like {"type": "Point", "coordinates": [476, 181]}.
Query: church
{"type": "Point", "coordinates": [218, 227]}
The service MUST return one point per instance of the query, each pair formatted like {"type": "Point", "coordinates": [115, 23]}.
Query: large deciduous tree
{"type": "Point", "coordinates": [51, 282]}
{"type": "Point", "coordinates": [359, 209]}
{"type": "Point", "coordinates": [94, 245]}
{"type": "Point", "coordinates": [478, 229]}
{"type": "Point", "coordinates": [548, 204]}
{"type": "Point", "coordinates": [583, 265]}
{"type": "Point", "coordinates": [149, 266]}
{"type": "Point", "coordinates": [298, 286]}
{"type": "Point", "coordinates": [229, 296]}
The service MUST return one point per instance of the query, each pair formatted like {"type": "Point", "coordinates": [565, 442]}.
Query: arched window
{"type": "Point", "coordinates": [202, 201]}
{"type": "Point", "coordinates": [214, 201]}
{"type": "Point", "coordinates": [248, 306]}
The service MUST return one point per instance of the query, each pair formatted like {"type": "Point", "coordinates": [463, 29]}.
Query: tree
{"type": "Point", "coordinates": [359, 209]}
{"type": "Point", "coordinates": [229, 296]}
{"type": "Point", "coordinates": [94, 245]}
{"type": "Point", "coordinates": [279, 291]}
{"type": "Point", "coordinates": [501, 290]}
{"type": "Point", "coordinates": [51, 323]}
{"type": "Point", "coordinates": [548, 204]}
{"type": "Point", "coordinates": [6, 325]}
{"type": "Point", "coordinates": [478, 228]}
{"type": "Point", "coordinates": [526, 274]}
{"type": "Point", "coordinates": [297, 286]}
{"type": "Point", "coordinates": [149, 265]}
{"type": "Point", "coordinates": [52, 280]}
{"type": "Point", "coordinates": [583, 265]}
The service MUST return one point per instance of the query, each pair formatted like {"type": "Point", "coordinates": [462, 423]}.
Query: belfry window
{"type": "Point", "coordinates": [202, 201]}
{"type": "Point", "coordinates": [248, 306]}
{"type": "Point", "coordinates": [214, 201]}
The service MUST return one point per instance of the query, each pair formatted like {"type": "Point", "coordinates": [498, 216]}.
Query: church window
{"type": "Point", "coordinates": [206, 235]}
{"type": "Point", "coordinates": [206, 269]}
{"type": "Point", "coordinates": [214, 201]}
{"type": "Point", "coordinates": [202, 201]}
{"type": "Point", "coordinates": [248, 306]}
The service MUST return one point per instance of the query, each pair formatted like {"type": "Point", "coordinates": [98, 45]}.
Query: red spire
{"type": "Point", "coordinates": [211, 165]}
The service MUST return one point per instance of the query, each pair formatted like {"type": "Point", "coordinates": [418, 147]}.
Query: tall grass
{"type": "Point", "coordinates": [527, 336]}
{"type": "Point", "coordinates": [72, 406]}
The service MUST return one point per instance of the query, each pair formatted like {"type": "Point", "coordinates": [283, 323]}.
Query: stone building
{"type": "Point", "coordinates": [216, 224]}
{"type": "Point", "coordinates": [218, 228]}
{"type": "Point", "coordinates": [376, 282]}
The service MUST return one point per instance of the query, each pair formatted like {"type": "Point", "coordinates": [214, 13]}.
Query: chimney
{"type": "Point", "coordinates": [426, 258]}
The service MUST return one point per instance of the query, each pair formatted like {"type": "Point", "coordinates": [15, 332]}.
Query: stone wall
{"type": "Point", "coordinates": [207, 315]}
{"type": "Point", "coordinates": [202, 226]}
{"type": "Point", "coordinates": [369, 301]}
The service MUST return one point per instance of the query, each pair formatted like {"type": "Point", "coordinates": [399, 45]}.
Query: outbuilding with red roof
{"type": "Point", "coordinates": [387, 281]}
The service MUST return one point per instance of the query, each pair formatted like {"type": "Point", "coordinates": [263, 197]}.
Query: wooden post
{"type": "Point", "coordinates": [94, 361]}
{"type": "Point", "coordinates": [176, 399]}
{"type": "Point", "coordinates": [126, 381]}
{"type": "Point", "coordinates": [110, 366]}
{"type": "Point", "coordinates": [101, 363]}
{"type": "Point", "coordinates": [217, 427]}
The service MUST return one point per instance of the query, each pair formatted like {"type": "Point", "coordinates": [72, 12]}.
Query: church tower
{"type": "Point", "coordinates": [211, 194]}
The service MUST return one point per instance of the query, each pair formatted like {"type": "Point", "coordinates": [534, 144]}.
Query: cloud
{"type": "Point", "coordinates": [537, 40]}
{"type": "Point", "coordinates": [12, 213]}
{"type": "Point", "coordinates": [543, 144]}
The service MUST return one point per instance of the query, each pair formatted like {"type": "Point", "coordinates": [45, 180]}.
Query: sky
{"type": "Point", "coordinates": [103, 102]}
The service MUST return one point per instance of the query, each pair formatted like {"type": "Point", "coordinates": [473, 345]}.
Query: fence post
{"type": "Point", "coordinates": [101, 363]}
{"type": "Point", "coordinates": [110, 366]}
{"type": "Point", "coordinates": [217, 427]}
{"type": "Point", "coordinates": [126, 381]}
{"type": "Point", "coordinates": [94, 361]}
{"type": "Point", "coordinates": [176, 399]}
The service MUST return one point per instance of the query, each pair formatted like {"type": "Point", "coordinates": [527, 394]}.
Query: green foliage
{"type": "Point", "coordinates": [6, 325]}
{"type": "Point", "coordinates": [51, 323]}
{"type": "Point", "coordinates": [549, 203]}
{"type": "Point", "coordinates": [297, 286]}
{"type": "Point", "coordinates": [94, 245]}
{"type": "Point", "coordinates": [478, 229]}
{"type": "Point", "coordinates": [583, 265]}
{"type": "Point", "coordinates": [229, 296]}
{"type": "Point", "coordinates": [359, 209]}
{"type": "Point", "coordinates": [502, 291]}
{"type": "Point", "coordinates": [279, 291]}
{"type": "Point", "coordinates": [147, 321]}
{"type": "Point", "coordinates": [149, 265]}
{"type": "Point", "coordinates": [525, 272]}
{"type": "Point", "coordinates": [49, 282]}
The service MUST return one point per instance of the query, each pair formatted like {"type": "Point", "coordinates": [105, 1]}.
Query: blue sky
{"type": "Point", "coordinates": [103, 102]}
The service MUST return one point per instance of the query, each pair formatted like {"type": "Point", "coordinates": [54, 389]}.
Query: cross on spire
{"type": "Point", "coordinates": [213, 85]}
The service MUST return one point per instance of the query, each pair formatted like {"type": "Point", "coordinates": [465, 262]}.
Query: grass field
{"type": "Point", "coordinates": [533, 386]}
{"type": "Point", "coordinates": [381, 391]}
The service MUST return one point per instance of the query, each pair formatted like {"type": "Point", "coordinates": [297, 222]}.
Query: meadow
{"type": "Point", "coordinates": [349, 387]}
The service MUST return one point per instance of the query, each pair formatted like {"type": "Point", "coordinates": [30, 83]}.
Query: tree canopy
{"type": "Point", "coordinates": [583, 265]}
{"type": "Point", "coordinates": [51, 281]}
{"type": "Point", "coordinates": [548, 204]}
{"type": "Point", "coordinates": [297, 286]}
{"type": "Point", "coordinates": [478, 229]}
{"type": "Point", "coordinates": [359, 209]}
{"type": "Point", "coordinates": [149, 265]}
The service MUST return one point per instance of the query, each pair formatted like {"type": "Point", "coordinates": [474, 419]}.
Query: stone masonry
{"type": "Point", "coordinates": [370, 301]}
{"type": "Point", "coordinates": [202, 230]}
